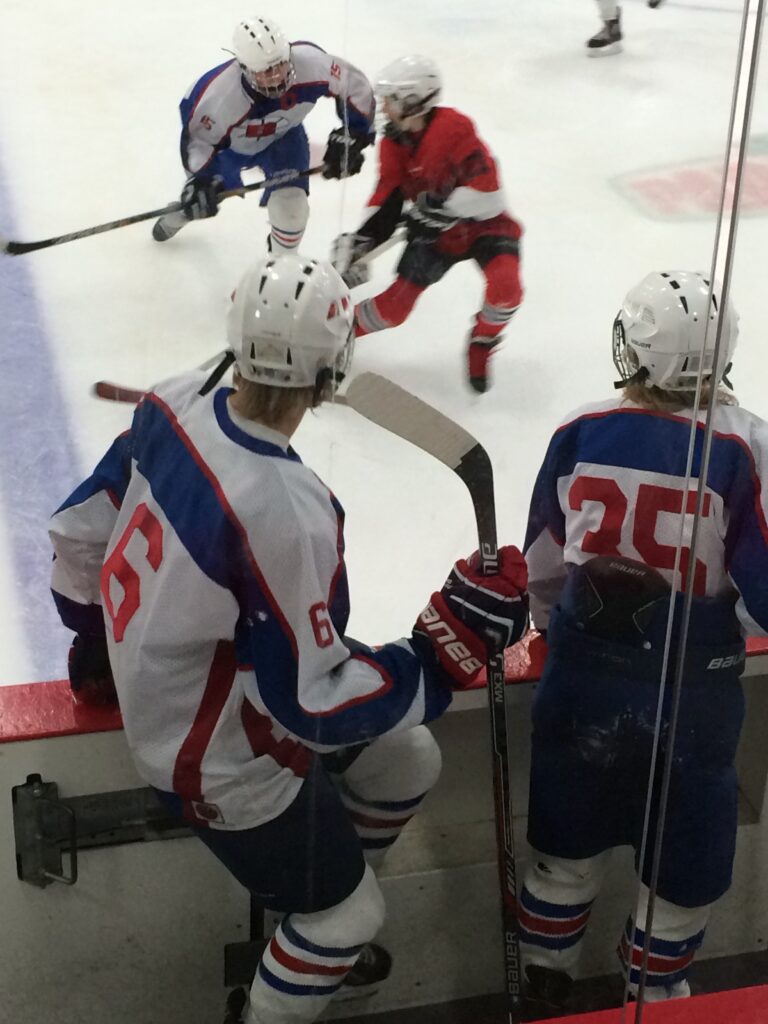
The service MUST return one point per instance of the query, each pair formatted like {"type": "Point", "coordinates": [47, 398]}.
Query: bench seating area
{"type": "Point", "coordinates": [141, 934]}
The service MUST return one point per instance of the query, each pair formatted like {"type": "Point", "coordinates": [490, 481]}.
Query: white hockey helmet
{"type": "Point", "coordinates": [659, 333]}
{"type": "Point", "coordinates": [291, 323]}
{"type": "Point", "coordinates": [264, 55]}
{"type": "Point", "coordinates": [411, 84]}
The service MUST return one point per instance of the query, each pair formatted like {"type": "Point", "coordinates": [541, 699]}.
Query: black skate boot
{"type": "Point", "coordinates": [478, 362]}
{"type": "Point", "coordinates": [608, 40]}
{"type": "Point", "coordinates": [548, 993]}
{"type": "Point", "coordinates": [370, 969]}
{"type": "Point", "coordinates": [655, 3]}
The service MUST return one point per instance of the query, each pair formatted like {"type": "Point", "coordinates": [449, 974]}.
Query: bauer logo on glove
{"type": "Point", "coordinates": [476, 616]}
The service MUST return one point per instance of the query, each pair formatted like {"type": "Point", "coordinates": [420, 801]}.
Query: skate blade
{"type": "Point", "coordinates": [605, 51]}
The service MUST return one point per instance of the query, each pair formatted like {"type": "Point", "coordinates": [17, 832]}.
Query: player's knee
{"type": "Point", "coordinates": [401, 766]}
{"type": "Point", "coordinates": [505, 288]}
{"type": "Point", "coordinates": [354, 921]}
{"type": "Point", "coordinates": [288, 208]}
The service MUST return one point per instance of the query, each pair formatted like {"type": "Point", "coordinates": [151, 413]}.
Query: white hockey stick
{"type": "Point", "coordinates": [394, 239]}
{"type": "Point", "coordinates": [395, 409]}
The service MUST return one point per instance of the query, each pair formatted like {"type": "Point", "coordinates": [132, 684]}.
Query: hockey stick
{"type": "Point", "coordinates": [19, 248]}
{"type": "Point", "coordinates": [119, 393]}
{"type": "Point", "coordinates": [385, 403]}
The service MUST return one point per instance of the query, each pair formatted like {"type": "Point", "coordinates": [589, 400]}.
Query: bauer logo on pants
{"type": "Point", "coordinates": [691, 190]}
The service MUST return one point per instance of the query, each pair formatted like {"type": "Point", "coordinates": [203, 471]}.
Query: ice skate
{"type": "Point", "coordinates": [478, 362]}
{"type": "Point", "coordinates": [655, 3]}
{"type": "Point", "coordinates": [370, 969]}
{"type": "Point", "coordinates": [548, 993]}
{"type": "Point", "coordinates": [168, 226]}
{"type": "Point", "coordinates": [608, 40]}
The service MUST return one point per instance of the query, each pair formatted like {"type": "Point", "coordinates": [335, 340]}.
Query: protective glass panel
{"type": "Point", "coordinates": [564, 210]}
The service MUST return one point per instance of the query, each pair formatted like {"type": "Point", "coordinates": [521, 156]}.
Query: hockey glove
{"type": "Point", "coordinates": [427, 218]}
{"type": "Point", "coordinates": [199, 198]}
{"type": "Point", "coordinates": [90, 674]}
{"type": "Point", "coordinates": [474, 617]}
{"type": "Point", "coordinates": [345, 254]}
{"type": "Point", "coordinates": [344, 153]}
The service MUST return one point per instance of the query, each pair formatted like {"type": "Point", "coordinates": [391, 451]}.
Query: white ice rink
{"type": "Point", "coordinates": [610, 164]}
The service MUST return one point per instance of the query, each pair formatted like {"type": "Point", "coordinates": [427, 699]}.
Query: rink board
{"type": "Point", "coordinates": [146, 924]}
{"type": "Point", "coordinates": [739, 1006]}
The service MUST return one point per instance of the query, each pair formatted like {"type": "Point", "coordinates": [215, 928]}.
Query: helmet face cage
{"type": "Point", "coordinates": [330, 377]}
{"type": "Point", "coordinates": [620, 353]}
{"type": "Point", "coordinates": [406, 101]}
{"type": "Point", "coordinates": [263, 55]}
{"type": "Point", "coordinates": [272, 82]}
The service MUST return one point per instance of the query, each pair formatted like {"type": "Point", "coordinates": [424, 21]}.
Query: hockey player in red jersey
{"type": "Point", "coordinates": [612, 504]}
{"type": "Point", "coordinates": [432, 158]}
{"type": "Point", "coordinates": [204, 563]}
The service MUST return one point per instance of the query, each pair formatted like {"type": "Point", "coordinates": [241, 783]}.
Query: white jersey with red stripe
{"type": "Point", "coordinates": [613, 483]}
{"type": "Point", "coordinates": [221, 110]}
{"type": "Point", "coordinates": [218, 560]}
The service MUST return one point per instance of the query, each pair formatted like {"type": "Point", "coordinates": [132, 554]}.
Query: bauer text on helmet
{"type": "Point", "coordinates": [264, 55]}
{"type": "Point", "coordinates": [290, 323]}
{"type": "Point", "coordinates": [410, 85]}
{"type": "Point", "coordinates": [667, 328]}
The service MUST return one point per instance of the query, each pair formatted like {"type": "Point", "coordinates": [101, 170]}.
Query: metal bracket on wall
{"type": "Point", "coordinates": [47, 826]}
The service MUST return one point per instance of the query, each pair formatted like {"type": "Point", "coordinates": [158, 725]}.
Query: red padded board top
{"type": "Point", "coordinates": [33, 711]}
{"type": "Point", "coordinates": [740, 1006]}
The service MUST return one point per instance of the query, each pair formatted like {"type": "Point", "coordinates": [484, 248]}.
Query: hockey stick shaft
{"type": "Point", "coordinates": [394, 239]}
{"type": "Point", "coordinates": [19, 248]}
{"type": "Point", "coordinates": [400, 412]}
{"type": "Point", "coordinates": [119, 393]}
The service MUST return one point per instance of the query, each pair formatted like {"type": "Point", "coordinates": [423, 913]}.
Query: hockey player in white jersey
{"type": "Point", "coordinates": [248, 112]}
{"type": "Point", "coordinates": [208, 562]}
{"type": "Point", "coordinates": [601, 545]}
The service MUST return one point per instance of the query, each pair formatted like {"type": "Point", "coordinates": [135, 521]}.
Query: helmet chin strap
{"type": "Point", "coordinates": [639, 377]}
{"type": "Point", "coordinates": [218, 372]}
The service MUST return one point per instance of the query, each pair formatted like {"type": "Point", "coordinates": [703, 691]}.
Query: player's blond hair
{"type": "Point", "coordinates": [270, 405]}
{"type": "Point", "coordinates": [659, 400]}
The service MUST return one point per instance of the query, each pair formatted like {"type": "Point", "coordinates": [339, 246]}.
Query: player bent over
{"type": "Point", "coordinates": [212, 560]}
{"type": "Point", "coordinates": [432, 157]}
{"type": "Point", "coordinates": [248, 112]}
{"type": "Point", "coordinates": [601, 546]}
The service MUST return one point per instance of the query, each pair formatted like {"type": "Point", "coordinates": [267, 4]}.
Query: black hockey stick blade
{"type": "Point", "coordinates": [12, 248]}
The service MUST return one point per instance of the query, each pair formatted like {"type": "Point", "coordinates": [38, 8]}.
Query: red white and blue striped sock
{"type": "Point", "coordinates": [551, 933]}
{"type": "Point", "coordinates": [284, 240]}
{"type": "Point", "coordinates": [378, 823]}
{"type": "Point", "coordinates": [296, 978]}
{"type": "Point", "coordinates": [668, 961]}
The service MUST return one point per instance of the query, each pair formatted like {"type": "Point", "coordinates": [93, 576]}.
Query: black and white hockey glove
{"type": "Point", "coordinates": [346, 252]}
{"type": "Point", "coordinates": [427, 218]}
{"type": "Point", "coordinates": [90, 674]}
{"type": "Point", "coordinates": [344, 153]}
{"type": "Point", "coordinates": [200, 198]}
